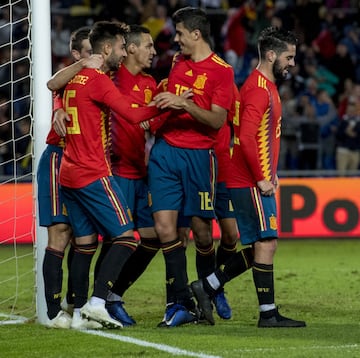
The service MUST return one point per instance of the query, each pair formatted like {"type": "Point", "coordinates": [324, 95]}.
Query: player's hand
{"type": "Point", "coordinates": [187, 94]}
{"type": "Point", "coordinates": [145, 125]}
{"type": "Point", "coordinates": [266, 187]}
{"type": "Point", "coordinates": [169, 100]}
{"type": "Point", "coordinates": [59, 122]}
{"type": "Point", "coordinates": [276, 182]}
{"type": "Point", "coordinates": [94, 61]}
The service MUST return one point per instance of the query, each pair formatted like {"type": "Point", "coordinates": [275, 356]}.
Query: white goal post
{"type": "Point", "coordinates": [42, 110]}
{"type": "Point", "coordinates": [25, 112]}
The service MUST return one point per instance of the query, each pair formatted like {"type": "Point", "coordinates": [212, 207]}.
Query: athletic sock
{"type": "Point", "coordinates": [53, 274]}
{"type": "Point", "coordinates": [224, 252]}
{"type": "Point", "coordinates": [235, 266]}
{"type": "Point", "coordinates": [119, 252]}
{"type": "Point", "coordinates": [106, 244]}
{"type": "Point", "coordinates": [136, 264]}
{"type": "Point", "coordinates": [79, 272]}
{"type": "Point", "coordinates": [263, 276]}
{"type": "Point", "coordinates": [205, 260]}
{"type": "Point", "coordinates": [69, 292]}
{"type": "Point", "coordinates": [177, 290]}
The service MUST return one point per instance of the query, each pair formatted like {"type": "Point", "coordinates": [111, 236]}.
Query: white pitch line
{"type": "Point", "coordinates": [160, 347]}
{"type": "Point", "coordinates": [309, 348]}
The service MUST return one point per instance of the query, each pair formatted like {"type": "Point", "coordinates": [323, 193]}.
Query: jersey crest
{"type": "Point", "coordinates": [200, 81]}
{"type": "Point", "coordinates": [148, 95]}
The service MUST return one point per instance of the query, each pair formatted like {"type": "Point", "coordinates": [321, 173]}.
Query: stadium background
{"type": "Point", "coordinates": [313, 201]}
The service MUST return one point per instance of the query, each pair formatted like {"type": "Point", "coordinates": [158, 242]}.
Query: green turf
{"type": "Point", "coordinates": [315, 280]}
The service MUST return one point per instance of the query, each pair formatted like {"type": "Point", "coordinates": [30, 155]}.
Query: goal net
{"type": "Point", "coordinates": [20, 257]}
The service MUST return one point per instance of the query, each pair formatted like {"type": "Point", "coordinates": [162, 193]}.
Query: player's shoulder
{"type": "Point", "coordinates": [163, 85]}
{"type": "Point", "coordinates": [256, 81]}
{"type": "Point", "coordinates": [92, 71]}
{"type": "Point", "coordinates": [217, 60]}
{"type": "Point", "coordinates": [87, 75]}
{"type": "Point", "coordinates": [177, 58]}
{"type": "Point", "coordinates": [147, 77]}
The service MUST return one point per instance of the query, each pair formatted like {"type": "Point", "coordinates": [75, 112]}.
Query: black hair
{"type": "Point", "coordinates": [276, 39]}
{"type": "Point", "coordinates": [134, 35]}
{"type": "Point", "coordinates": [106, 31]}
{"type": "Point", "coordinates": [194, 18]}
{"type": "Point", "coordinates": [77, 37]}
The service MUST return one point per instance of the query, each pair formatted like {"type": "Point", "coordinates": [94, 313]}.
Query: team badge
{"type": "Point", "coordinates": [200, 81]}
{"type": "Point", "coordinates": [273, 222]}
{"type": "Point", "coordinates": [147, 95]}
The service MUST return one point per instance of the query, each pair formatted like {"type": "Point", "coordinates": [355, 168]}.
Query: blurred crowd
{"type": "Point", "coordinates": [15, 100]}
{"type": "Point", "coordinates": [321, 97]}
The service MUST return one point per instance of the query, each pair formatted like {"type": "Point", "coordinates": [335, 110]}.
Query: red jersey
{"type": "Point", "coordinates": [128, 140]}
{"type": "Point", "coordinates": [211, 81]}
{"type": "Point", "coordinates": [223, 140]}
{"type": "Point", "coordinates": [257, 132]}
{"type": "Point", "coordinates": [87, 100]}
{"type": "Point", "coordinates": [53, 138]}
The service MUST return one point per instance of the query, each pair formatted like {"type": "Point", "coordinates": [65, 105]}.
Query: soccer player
{"type": "Point", "coordinates": [94, 200]}
{"type": "Point", "coordinates": [254, 179]}
{"type": "Point", "coordinates": [223, 207]}
{"type": "Point", "coordinates": [182, 165]}
{"type": "Point", "coordinates": [129, 165]}
{"type": "Point", "coordinates": [52, 212]}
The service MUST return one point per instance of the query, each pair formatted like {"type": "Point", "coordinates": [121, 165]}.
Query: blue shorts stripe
{"type": "Point", "coordinates": [51, 205]}
{"type": "Point", "coordinates": [256, 214]}
{"type": "Point", "coordinates": [259, 208]}
{"type": "Point", "coordinates": [54, 184]}
{"type": "Point", "coordinates": [114, 201]}
{"type": "Point", "coordinates": [213, 178]}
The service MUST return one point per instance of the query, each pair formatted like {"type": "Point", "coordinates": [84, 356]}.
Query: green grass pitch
{"type": "Point", "coordinates": [315, 280]}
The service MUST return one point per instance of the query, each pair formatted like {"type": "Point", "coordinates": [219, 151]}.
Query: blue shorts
{"type": "Point", "coordinates": [136, 193]}
{"type": "Point", "coordinates": [256, 214]}
{"type": "Point", "coordinates": [182, 179]}
{"type": "Point", "coordinates": [99, 207]}
{"type": "Point", "coordinates": [50, 197]}
{"type": "Point", "coordinates": [223, 205]}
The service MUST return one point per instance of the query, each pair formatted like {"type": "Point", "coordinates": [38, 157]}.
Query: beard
{"type": "Point", "coordinates": [113, 62]}
{"type": "Point", "coordinates": [278, 72]}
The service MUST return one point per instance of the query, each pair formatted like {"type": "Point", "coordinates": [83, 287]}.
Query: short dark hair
{"type": "Point", "coordinates": [106, 31]}
{"type": "Point", "coordinates": [77, 37]}
{"type": "Point", "coordinates": [134, 35]}
{"type": "Point", "coordinates": [194, 18]}
{"type": "Point", "coordinates": [276, 39]}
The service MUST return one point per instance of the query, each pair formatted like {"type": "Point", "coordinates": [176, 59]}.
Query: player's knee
{"type": "Point", "coordinates": [229, 238]}
{"type": "Point", "coordinates": [59, 236]}
{"type": "Point", "coordinates": [203, 239]}
{"type": "Point", "coordinates": [165, 232]}
{"type": "Point", "coordinates": [268, 245]}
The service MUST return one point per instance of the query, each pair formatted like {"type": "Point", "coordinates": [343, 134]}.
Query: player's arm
{"type": "Point", "coordinates": [253, 109]}
{"type": "Point", "coordinates": [59, 117]}
{"type": "Point", "coordinates": [215, 117]}
{"type": "Point", "coordinates": [63, 76]}
{"type": "Point", "coordinates": [106, 92]}
{"type": "Point", "coordinates": [252, 114]}
{"type": "Point", "coordinates": [155, 123]}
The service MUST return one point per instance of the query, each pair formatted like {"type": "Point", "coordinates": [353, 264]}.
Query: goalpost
{"type": "Point", "coordinates": [25, 112]}
{"type": "Point", "coordinates": [41, 66]}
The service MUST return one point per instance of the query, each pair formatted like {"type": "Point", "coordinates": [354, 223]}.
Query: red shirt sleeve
{"type": "Point", "coordinates": [57, 101]}
{"type": "Point", "coordinates": [254, 108]}
{"type": "Point", "coordinates": [108, 94]}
